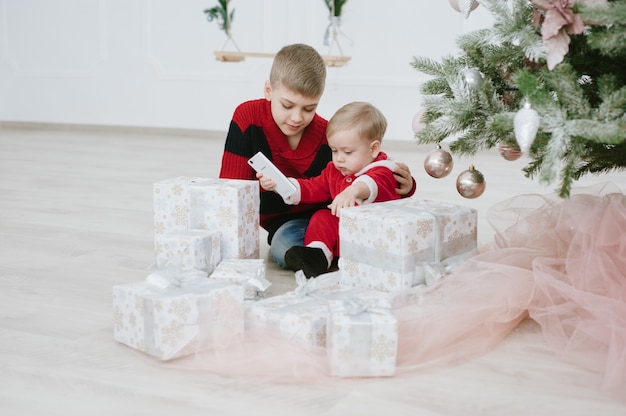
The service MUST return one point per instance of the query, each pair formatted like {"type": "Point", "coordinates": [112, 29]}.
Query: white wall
{"type": "Point", "coordinates": [150, 63]}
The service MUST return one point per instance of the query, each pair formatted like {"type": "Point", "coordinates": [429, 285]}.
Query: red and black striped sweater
{"type": "Point", "coordinates": [253, 129]}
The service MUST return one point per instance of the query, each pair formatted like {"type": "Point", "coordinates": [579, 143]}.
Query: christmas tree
{"type": "Point", "coordinates": [548, 77]}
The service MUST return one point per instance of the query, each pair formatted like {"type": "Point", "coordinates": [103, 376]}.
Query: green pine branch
{"type": "Point", "coordinates": [581, 102]}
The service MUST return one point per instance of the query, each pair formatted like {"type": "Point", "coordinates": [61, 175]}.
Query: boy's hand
{"type": "Point", "coordinates": [346, 198]}
{"type": "Point", "coordinates": [404, 179]}
{"type": "Point", "coordinates": [266, 182]}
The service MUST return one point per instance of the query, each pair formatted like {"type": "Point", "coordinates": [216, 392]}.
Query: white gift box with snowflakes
{"type": "Point", "coordinates": [300, 316]}
{"type": "Point", "coordinates": [169, 317]}
{"type": "Point", "coordinates": [188, 249]}
{"type": "Point", "coordinates": [250, 273]}
{"type": "Point", "coordinates": [229, 206]}
{"type": "Point", "coordinates": [391, 246]}
{"type": "Point", "coordinates": [171, 204]}
{"type": "Point", "coordinates": [362, 338]}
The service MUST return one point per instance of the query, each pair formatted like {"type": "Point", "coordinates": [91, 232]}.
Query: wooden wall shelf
{"type": "Point", "coordinates": [232, 56]}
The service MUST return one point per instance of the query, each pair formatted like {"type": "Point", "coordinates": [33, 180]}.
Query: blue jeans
{"type": "Point", "coordinates": [288, 235]}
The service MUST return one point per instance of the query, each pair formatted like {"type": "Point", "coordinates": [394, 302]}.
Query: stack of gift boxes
{"type": "Point", "coordinates": [208, 288]}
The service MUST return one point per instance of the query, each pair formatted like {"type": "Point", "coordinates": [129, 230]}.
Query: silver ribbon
{"type": "Point", "coordinates": [306, 287]}
{"type": "Point", "coordinates": [170, 278]}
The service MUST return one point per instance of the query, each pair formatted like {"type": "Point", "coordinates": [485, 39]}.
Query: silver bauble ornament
{"type": "Point", "coordinates": [438, 163]}
{"type": "Point", "coordinates": [472, 78]}
{"type": "Point", "coordinates": [465, 7]}
{"type": "Point", "coordinates": [509, 152]}
{"type": "Point", "coordinates": [525, 126]}
{"type": "Point", "coordinates": [471, 183]}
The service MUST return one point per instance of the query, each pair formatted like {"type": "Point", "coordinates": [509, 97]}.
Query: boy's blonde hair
{"type": "Point", "coordinates": [370, 123]}
{"type": "Point", "coordinates": [299, 68]}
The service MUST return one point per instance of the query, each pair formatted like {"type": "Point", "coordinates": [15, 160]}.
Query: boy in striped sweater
{"type": "Point", "coordinates": [286, 128]}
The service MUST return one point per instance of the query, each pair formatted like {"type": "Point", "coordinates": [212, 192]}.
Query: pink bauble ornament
{"type": "Point", "coordinates": [438, 163]}
{"type": "Point", "coordinates": [509, 152]}
{"type": "Point", "coordinates": [471, 183]}
{"type": "Point", "coordinates": [417, 123]}
{"type": "Point", "coordinates": [465, 7]}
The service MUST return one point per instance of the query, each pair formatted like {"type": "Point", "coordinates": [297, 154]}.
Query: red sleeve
{"type": "Point", "coordinates": [316, 189]}
{"type": "Point", "coordinates": [242, 142]}
{"type": "Point", "coordinates": [386, 183]}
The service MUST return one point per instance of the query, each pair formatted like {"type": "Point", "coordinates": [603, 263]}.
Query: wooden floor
{"type": "Point", "coordinates": [76, 219]}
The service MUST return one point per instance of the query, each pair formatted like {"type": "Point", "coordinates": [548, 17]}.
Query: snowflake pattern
{"type": "Point", "coordinates": [172, 333]}
{"type": "Point", "coordinates": [159, 227]}
{"type": "Point", "coordinates": [251, 215]}
{"type": "Point", "coordinates": [320, 338]}
{"type": "Point", "coordinates": [383, 348]}
{"type": "Point", "coordinates": [180, 308]}
{"type": "Point", "coordinates": [118, 317]}
{"type": "Point", "coordinates": [456, 235]}
{"type": "Point", "coordinates": [392, 280]}
{"type": "Point", "coordinates": [348, 224]}
{"type": "Point", "coordinates": [226, 216]}
{"type": "Point", "coordinates": [425, 228]}
{"type": "Point", "coordinates": [177, 189]}
{"type": "Point", "coordinates": [180, 215]}
{"type": "Point", "coordinates": [229, 309]}
{"type": "Point", "coordinates": [350, 267]}
{"type": "Point", "coordinates": [381, 246]}
{"type": "Point", "coordinates": [139, 304]}
{"type": "Point", "coordinates": [344, 353]}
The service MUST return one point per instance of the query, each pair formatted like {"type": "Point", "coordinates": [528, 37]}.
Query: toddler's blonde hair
{"type": "Point", "coordinates": [371, 124]}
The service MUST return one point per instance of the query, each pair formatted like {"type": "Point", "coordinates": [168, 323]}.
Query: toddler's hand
{"type": "Point", "coordinates": [344, 199]}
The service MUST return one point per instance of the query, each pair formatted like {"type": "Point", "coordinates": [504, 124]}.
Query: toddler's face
{"type": "Point", "coordinates": [291, 111]}
{"type": "Point", "coordinates": [351, 152]}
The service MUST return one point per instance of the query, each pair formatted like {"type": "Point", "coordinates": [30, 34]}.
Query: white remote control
{"type": "Point", "coordinates": [262, 164]}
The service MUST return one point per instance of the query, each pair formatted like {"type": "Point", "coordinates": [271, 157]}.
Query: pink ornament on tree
{"type": "Point", "coordinates": [417, 121]}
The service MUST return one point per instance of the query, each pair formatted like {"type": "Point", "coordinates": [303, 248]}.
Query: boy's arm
{"type": "Point", "coordinates": [236, 154]}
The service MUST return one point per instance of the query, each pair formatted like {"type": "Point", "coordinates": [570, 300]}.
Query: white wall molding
{"type": "Point", "coordinates": [14, 31]}
{"type": "Point", "coordinates": [151, 62]}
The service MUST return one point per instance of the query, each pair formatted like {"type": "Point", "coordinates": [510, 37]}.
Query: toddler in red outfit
{"type": "Point", "coordinates": [359, 173]}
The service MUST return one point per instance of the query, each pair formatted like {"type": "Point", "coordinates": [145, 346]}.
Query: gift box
{"type": "Point", "coordinates": [250, 273]}
{"type": "Point", "coordinates": [170, 317]}
{"type": "Point", "coordinates": [301, 316]}
{"type": "Point", "coordinates": [231, 207]}
{"type": "Point", "coordinates": [391, 246]}
{"type": "Point", "coordinates": [228, 206]}
{"type": "Point", "coordinates": [188, 249]}
{"type": "Point", "coordinates": [171, 204]}
{"type": "Point", "coordinates": [362, 338]}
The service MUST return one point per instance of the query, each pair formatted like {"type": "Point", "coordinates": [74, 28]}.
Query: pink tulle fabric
{"type": "Point", "coordinates": [561, 262]}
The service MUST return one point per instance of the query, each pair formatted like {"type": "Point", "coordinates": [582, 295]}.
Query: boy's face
{"type": "Point", "coordinates": [291, 111]}
{"type": "Point", "coordinates": [351, 152]}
